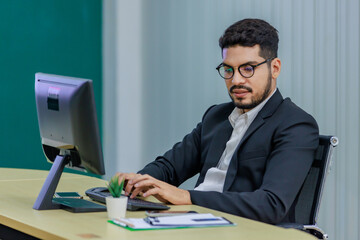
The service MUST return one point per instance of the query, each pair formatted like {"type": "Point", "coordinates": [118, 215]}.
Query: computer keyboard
{"type": "Point", "coordinates": [100, 193]}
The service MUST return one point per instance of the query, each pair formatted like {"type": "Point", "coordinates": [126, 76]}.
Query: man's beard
{"type": "Point", "coordinates": [254, 100]}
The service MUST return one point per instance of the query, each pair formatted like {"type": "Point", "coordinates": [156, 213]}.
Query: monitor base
{"type": "Point", "coordinates": [45, 197]}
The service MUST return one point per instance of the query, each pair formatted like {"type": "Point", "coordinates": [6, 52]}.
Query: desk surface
{"type": "Point", "coordinates": [19, 189]}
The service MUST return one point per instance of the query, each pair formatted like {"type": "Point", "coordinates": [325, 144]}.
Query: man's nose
{"type": "Point", "coordinates": [238, 79]}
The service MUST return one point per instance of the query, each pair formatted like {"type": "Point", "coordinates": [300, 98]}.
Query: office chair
{"type": "Point", "coordinates": [309, 198]}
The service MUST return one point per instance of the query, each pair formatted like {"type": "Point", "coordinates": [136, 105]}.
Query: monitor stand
{"type": "Point", "coordinates": [45, 200]}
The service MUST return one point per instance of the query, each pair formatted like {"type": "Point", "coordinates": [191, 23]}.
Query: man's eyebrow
{"type": "Point", "coordinates": [246, 63]}
{"type": "Point", "coordinates": [250, 63]}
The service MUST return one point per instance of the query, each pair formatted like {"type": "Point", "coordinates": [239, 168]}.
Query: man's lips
{"type": "Point", "coordinates": [240, 92]}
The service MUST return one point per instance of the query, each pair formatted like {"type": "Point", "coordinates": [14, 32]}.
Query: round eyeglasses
{"type": "Point", "coordinates": [246, 70]}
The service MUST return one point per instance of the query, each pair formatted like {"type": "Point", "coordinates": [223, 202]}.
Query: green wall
{"type": "Point", "coordinates": [51, 36]}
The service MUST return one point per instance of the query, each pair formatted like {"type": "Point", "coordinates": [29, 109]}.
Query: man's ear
{"type": "Point", "coordinates": [275, 68]}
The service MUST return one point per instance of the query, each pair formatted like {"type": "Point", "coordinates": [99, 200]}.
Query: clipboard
{"type": "Point", "coordinates": [172, 222]}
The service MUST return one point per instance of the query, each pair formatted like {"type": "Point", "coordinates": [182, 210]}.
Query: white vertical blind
{"type": "Point", "coordinates": [122, 80]}
{"type": "Point", "coordinates": [176, 49]}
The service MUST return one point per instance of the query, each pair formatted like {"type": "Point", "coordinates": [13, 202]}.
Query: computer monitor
{"type": "Point", "coordinates": [68, 129]}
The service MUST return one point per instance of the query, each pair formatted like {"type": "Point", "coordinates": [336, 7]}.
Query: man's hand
{"type": "Point", "coordinates": [149, 186]}
{"type": "Point", "coordinates": [128, 187]}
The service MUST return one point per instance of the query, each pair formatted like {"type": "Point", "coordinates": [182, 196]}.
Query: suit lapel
{"type": "Point", "coordinates": [219, 144]}
{"type": "Point", "coordinates": [268, 109]}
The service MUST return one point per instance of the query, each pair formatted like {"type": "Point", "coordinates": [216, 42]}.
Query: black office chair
{"type": "Point", "coordinates": [308, 204]}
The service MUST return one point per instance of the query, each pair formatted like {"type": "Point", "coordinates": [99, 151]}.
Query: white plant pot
{"type": "Point", "coordinates": [116, 207]}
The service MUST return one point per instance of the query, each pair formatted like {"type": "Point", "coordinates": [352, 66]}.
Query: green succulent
{"type": "Point", "coordinates": [115, 188]}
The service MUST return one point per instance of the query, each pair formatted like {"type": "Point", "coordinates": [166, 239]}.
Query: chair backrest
{"type": "Point", "coordinates": [309, 198]}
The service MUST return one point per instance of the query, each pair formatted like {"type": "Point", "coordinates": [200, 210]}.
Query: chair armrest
{"type": "Point", "coordinates": [312, 229]}
{"type": "Point", "coordinates": [317, 232]}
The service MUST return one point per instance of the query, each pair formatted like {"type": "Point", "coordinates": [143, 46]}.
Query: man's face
{"type": "Point", "coordinates": [247, 93]}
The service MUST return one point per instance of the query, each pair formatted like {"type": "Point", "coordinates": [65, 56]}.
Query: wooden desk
{"type": "Point", "coordinates": [19, 189]}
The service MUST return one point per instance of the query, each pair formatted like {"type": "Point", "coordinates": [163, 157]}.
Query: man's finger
{"type": "Point", "coordinates": [137, 191]}
{"type": "Point", "coordinates": [151, 192]}
{"type": "Point", "coordinates": [146, 183]}
{"type": "Point", "coordinates": [139, 178]}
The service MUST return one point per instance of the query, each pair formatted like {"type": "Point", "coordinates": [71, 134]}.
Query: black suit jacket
{"type": "Point", "coordinates": [266, 171]}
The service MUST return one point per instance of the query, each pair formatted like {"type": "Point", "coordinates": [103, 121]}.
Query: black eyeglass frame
{"type": "Point", "coordinates": [246, 64]}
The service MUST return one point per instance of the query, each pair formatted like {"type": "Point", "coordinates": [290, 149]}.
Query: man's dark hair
{"type": "Point", "coordinates": [249, 32]}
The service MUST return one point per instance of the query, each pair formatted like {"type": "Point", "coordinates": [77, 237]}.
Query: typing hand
{"type": "Point", "coordinates": [163, 191]}
{"type": "Point", "coordinates": [128, 188]}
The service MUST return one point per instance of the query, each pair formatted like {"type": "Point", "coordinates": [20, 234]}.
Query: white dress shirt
{"type": "Point", "coordinates": [215, 177]}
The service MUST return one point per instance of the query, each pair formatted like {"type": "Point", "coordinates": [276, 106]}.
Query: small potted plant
{"type": "Point", "coordinates": [116, 204]}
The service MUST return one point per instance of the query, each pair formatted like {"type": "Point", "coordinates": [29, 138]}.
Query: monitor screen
{"type": "Point", "coordinates": [68, 129]}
